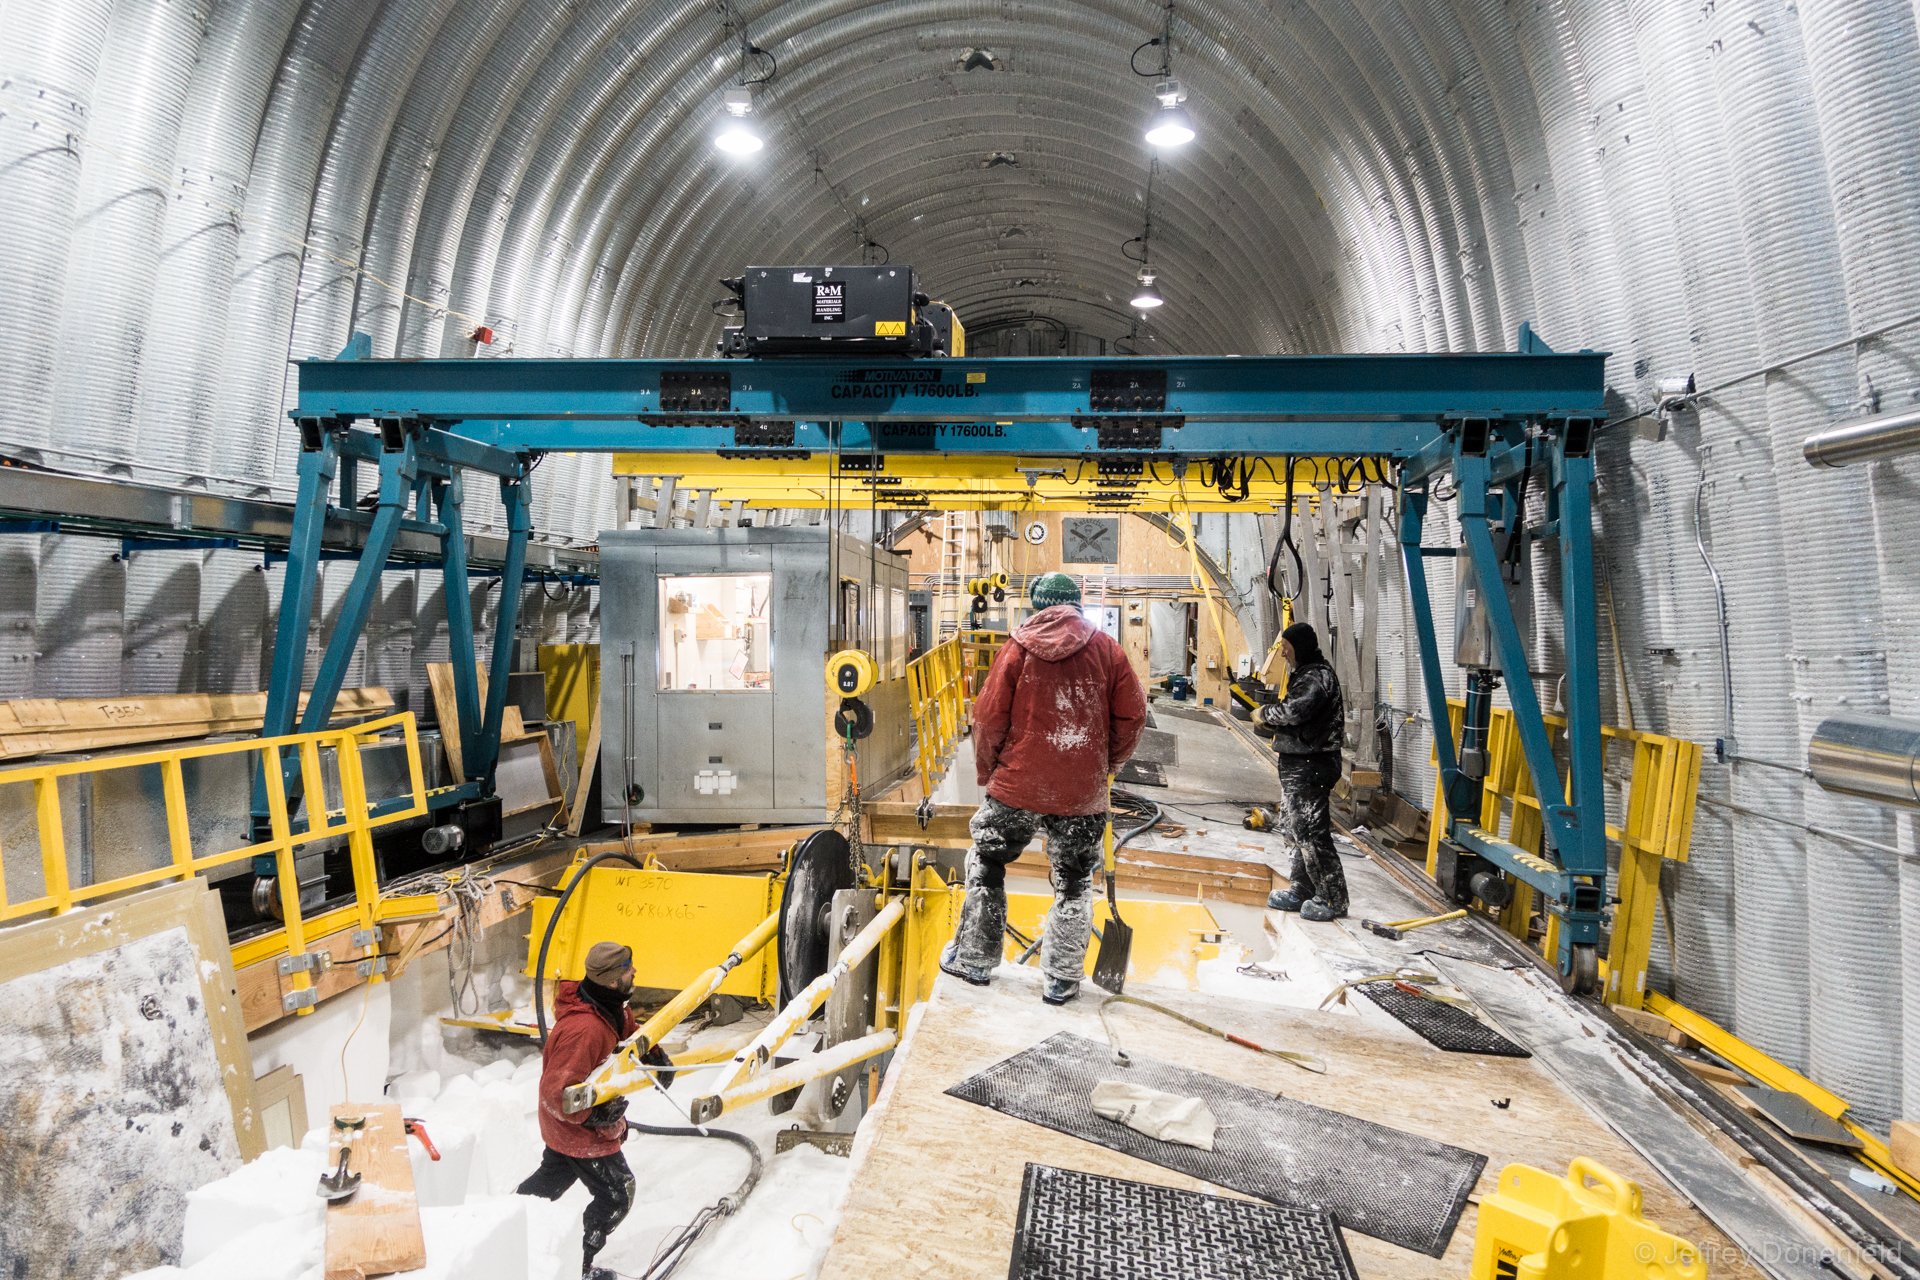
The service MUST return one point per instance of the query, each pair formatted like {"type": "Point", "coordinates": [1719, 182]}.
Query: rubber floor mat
{"type": "Point", "coordinates": [1079, 1226]}
{"type": "Point", "coordinates": [1142, 773]}
{"type": "Point", "coordinates": [1157, 746]}
{"type": "Point", "coordinates": [1441, 1024]}
{"type": "Point", "coordinates": [1378, 1181]}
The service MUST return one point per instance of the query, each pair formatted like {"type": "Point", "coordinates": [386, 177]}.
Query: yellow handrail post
{"type": "Point", "coordinates": [53, 844]}
{"type": "Point", "coordinates": [173, 786]}
{"type": "Point", "coordinates": [283, 862]}
{"type": "Point", "coordinates": [353, 804]}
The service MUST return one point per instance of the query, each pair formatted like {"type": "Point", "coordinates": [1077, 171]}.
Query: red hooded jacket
{"type": "Point", "coordinates": [579, 1040]}
{"type": "Point", "coordinates": [1061, 709]}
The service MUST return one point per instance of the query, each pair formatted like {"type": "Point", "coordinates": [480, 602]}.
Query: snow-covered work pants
{"type": "Point", "coordinates": [1000, 832]}
{"type": "Point", "coordinates": [1306, 785]}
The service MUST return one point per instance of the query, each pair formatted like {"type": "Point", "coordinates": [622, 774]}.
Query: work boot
{"type": "Point", "coordinates": [949, 963]}
{"type": "Point", "coordinates": [1317, 910]}
{"type": "Point", "coordinates": [1283, 900]}
{"type": "Point", "coordinates": [1059, 991]}
{"type": "Point", "coordinates": [598, 1273]}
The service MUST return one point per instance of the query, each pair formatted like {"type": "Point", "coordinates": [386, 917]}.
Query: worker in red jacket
{"type": "Point", "coordinates": [590, 1018]}
{"type": "Point", "coordinates": [1061, 710]}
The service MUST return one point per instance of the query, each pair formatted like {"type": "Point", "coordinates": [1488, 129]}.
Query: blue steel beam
{"type": "Point", "coordinates": [513, 498]}
{"type": "Point", "coordinates": [1314, 391]}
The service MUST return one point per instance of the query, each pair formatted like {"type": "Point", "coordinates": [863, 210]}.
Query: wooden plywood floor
{"type": "Point", "coordinates": [937, 1184]}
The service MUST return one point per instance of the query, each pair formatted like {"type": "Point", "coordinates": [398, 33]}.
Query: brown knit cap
{"type": "Point", "coordinates": [605, 960]}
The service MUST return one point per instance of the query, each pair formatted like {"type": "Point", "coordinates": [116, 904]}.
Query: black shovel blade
{"type": "Point", "coordinates": [1116, 946]}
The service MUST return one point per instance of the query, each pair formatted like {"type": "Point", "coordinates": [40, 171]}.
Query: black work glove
{"type": "Point", "coordinates": [657, 1057]}
{"type": "Point", "coordinates": [607, 1114]}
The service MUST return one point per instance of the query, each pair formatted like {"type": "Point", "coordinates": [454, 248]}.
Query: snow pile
{"type": "Point", "coordinates": [264, 1221]}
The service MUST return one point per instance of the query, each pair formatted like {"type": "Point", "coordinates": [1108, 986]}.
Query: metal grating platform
{"type": "Point", "coordinates": [1079, 1226]}
{"type": "Point", "coordinates": [1381, 1182]}
{"type": "Point", "coordinates": [1441, 1024]}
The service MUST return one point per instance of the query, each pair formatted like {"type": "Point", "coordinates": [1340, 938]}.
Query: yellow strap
{"type": "Point", "coordinates": [1199, 579]}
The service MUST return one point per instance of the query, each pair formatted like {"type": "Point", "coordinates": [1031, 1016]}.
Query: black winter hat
{"type": "Point", "coordinates": [1306, 645]}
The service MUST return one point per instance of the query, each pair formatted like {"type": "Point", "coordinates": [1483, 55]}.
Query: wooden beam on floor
{"type": "Point", "coordinates": [376, 1231]}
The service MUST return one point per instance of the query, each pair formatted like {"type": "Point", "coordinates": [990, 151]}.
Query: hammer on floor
{"type": "Point", "coordinates": [1399, 928]}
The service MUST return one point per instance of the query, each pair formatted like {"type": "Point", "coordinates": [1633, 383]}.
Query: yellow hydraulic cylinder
{"type": "Point", "coordinates": [1538, 1226]}
{"type": "Point", "coordinates": [622, 1072]}
{"type": "Point", "coordinates": [815, 1065]}
{"type": "Point", "coordinates": [749, 1060]}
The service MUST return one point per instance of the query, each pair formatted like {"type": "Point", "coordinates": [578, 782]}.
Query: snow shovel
{"type": "Point", "coordinates": [339, 1184]}
{"type": "Point", "coordinates": [1116, 940]}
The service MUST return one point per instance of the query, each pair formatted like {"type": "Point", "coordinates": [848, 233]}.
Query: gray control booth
{"type": "Point", "coordinates": [713, 648]}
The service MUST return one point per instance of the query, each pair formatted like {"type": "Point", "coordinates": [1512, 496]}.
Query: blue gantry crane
{"type": "Point", "coordinates": [1490, 420]}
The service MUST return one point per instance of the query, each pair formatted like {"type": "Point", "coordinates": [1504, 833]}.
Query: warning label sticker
{"type": "Point", "coordinates": [889, 328]}
{"type": "Point", "coordinates": [829, 302]}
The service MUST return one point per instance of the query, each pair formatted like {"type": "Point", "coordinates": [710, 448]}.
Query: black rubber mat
{"type": "Point", "coordinates": [1157, 746]}
{"type": "Point", "coordinates": [1186, 711]}
{"type": "Point", "coordinates": [1378, 1181]}
{"type": "Point", "coordinates": [1142, 773]}
{"type": "Point", "coordinates": [1441, 1024]}
{"type": "Point", "coordinates": [1079, 1226]}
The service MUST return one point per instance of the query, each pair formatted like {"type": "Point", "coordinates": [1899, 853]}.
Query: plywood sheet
{"type": "Point", "coordinates": [963, 1219]}
{"type": "Point", "coordinates": [124, 1081]}
{"type": "Point", "coordinates": [376, 1232]}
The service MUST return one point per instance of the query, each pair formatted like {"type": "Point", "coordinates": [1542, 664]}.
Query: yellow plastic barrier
{"type": "Point", "coordinates": [1538, 1226]}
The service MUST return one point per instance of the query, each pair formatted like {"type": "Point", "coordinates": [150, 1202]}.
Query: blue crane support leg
{"type": "Point", "coordinates": [513, 497]}
{"type": "Point", "coordinates": [457, 589]}
{"type": "Point", "coordinates": [316, 471]}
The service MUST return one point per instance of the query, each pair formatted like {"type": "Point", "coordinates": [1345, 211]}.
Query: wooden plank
{"type": "Point", "coordinates": [1906, 1147]}
{"type": "Point", "coordinates": [376, 1232]}
{"type": "Point", "coordinates": [446, 707]}
{"type": "Point", "coordinates": [583, 784]}
{"type": "Point", "coordinates": [91, 729]}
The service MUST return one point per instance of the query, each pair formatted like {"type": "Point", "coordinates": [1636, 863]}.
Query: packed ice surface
{"type": "Point", "coordinates": [265, 1222]}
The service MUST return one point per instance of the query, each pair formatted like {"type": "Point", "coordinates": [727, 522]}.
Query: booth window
{"type": "Point", "coordinates": [716, 633]}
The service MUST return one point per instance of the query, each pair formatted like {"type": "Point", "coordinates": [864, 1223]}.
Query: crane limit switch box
{"type": "Point", "coordinates": [827, 310]}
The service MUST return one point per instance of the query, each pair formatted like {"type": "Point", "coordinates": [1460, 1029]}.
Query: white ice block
{"type": "Point", "coordinates": [278, 1185]}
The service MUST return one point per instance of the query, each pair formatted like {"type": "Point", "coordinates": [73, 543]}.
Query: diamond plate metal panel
{"type": "Point", "coordinates": [1079, 1226]}
{"type": "Point", "coordinates": [1441, 1024]}
{"type": "Point", "coordinates": [1378, 1181]}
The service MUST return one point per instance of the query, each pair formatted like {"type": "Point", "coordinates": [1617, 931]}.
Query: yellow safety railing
{"type": "Point", "coordinates": [355, 821]}
{"type": "Point", "coordinates": [978, 649]}
{"type": "Point", "coordinates": [941, 696]}
{"type": "Point", "coordinates": [1664, 783]}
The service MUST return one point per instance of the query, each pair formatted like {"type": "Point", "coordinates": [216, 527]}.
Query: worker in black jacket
{"type": "Point", "coordinates": [1308, 726]}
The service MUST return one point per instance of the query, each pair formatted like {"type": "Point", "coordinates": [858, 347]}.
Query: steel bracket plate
{"type": "Point", "coordinates": [366, 937]}
{"type": "Point", "coordinates": [367, 968]}
{"type": "Point", "coordinates": [293, 1000]}
{"type": "Point", "coordinates": [306, 962]}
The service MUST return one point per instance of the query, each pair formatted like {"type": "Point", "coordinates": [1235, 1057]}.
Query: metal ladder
{"type": "Point", "coordinates": [951, 587]}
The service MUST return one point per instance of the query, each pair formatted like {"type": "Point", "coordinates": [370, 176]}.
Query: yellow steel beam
{"type": "Point", "coordinates": [964, 481]}
{"type": "Point", "coordinates": [712, 1106]}
{"type": "Point", "coordinates": [1775, 1075]}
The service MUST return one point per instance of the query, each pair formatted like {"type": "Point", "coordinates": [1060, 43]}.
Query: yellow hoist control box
{"type": "Point", "coordinates": [1585, 1226]}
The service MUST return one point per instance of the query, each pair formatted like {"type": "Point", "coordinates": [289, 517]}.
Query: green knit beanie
{"type": "Point", "coordinates": [1052, 589]}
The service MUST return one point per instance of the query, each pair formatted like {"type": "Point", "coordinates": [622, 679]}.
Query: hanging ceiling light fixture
{"type": "Point", "coordinates": [1169, 124]}
{"type": "Point", "coordinates": [737, 135]}
{"type": "Point", "coordinates": [1145, 296]}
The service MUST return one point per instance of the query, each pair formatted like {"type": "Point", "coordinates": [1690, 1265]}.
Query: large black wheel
{"type": "Point", "coordinates": [820, 867]}
{"type": "Point", "coordinates": [1584, 980]}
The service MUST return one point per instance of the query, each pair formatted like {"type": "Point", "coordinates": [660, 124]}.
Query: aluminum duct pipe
{"type": "Point", "coordinates": [1873, 757]}
{"type": "Point", "coordinates": [1885, 436]}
